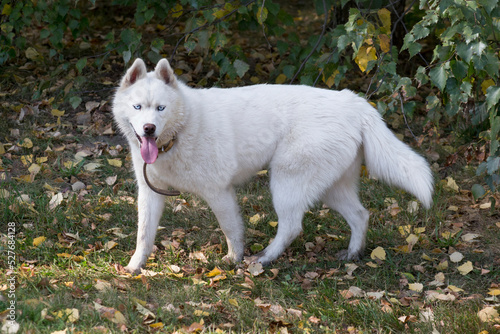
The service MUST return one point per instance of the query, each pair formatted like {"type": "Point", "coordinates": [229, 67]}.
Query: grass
{"type": "Point", "coordinates": [90, 234]}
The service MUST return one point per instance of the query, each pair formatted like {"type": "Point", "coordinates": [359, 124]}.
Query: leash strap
{"type": "Point", "coordinates": [157, 190]}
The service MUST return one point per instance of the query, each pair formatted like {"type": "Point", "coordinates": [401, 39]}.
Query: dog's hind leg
{"type": "Point", "coordinates": [290, 205]}
{"type": "Point", "coordinates": [150, 207]}
{"type": "Point", "coordinates": [225, 207]}
{"type": "Point", "coordinates": [343, 198]}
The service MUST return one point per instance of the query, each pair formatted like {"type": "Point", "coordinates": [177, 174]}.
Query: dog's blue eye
{"type": "Point", "coordinates": [160, 108]}
{"type": "Point", "coordinates": [137, 106]}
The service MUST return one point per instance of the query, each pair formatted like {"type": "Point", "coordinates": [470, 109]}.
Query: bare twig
{"type": "Point", "coordinates": [381, 58]}
{"type": "Point", "coordinates": [327, 61]}
{"type": "Point", "coordinates": [325, 23]}
{"type": "Point", "coordinates": [381, 81]}
{"type": "Point", "coordinates": [400, 20]}
{"type": "Point", "coordinates": [404, 116]}
{"type": "Point", "coordinates": [204, 26]}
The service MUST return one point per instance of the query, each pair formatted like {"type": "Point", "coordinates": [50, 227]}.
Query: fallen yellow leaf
{"type": "Point", "coordinates": [76, 258]}
{"type": "Point", "coordinates": [41, 160]}
{"type": "Point", "coordinates": [419, 230]}
{"type": "Point", "coordinates": [488, 314]}
{"type": "Point", "coordinates": [426, 257]}
{"type": "Point", "coordinates": [404, 249]}
{"type": "Point", "coordinates": [412, 239]}
{"type": "Point", "coordinates": [27, 159]}
{"type": "Point", "coordinates": [49, 187]}
{"type": "Point", "coordinates": [378, 253]}
{"type": "Point", "coordinates": [24, 178]}
{"type": "Point", "coordinates": [26, 143]}
{"type": "Point", "coordinates": [109, 245]}
{"type": "Point", "coordinates": [494, 292]}
{"type": "Point", "coordinates": [214, 272]}
{"type": "Point", "coordinates": [255, 219]}
{"type": "Point", "coordinates": [34, 169]}
{"type": "Point", "coordinates": [198, 256]}
{"type": "Point", "coordinates": [197, 281]}
{"type": "Point", "coordinates": [448, 235]}
{"type": "Point", "coordinates": [111, 314]}
{"type": "Point", "coordinates": [418, 287]}
{"type": "Point", "coordinates": [465, 268]}
{"type": "Point", "coordinates": [350, 267]}
{"type": "Point", "coordinates": [71, 315]}
{"type": "Point", "coordinates": [57, 112]}
{"type": "Point", "coordinates": [115, 162]}
{"type": "Point", "coordinates": [69, 164]}
{"type": "Point", "coordinates": [454, 288]}
{"type": "Point", "coordinates": [201, 313]}
{"type": "Point", "coordinates": [442, 266]}
{"type": "Point", "coordinates": [439, 277]}
{"type": "Point", "coordinates": [451, 184]}
{"type": "Point", "coordinates": [38, 241]}
{"type": "Point", "coordinates": [404, 230]}
{"type": "Point", "coordinates": [139, 301]}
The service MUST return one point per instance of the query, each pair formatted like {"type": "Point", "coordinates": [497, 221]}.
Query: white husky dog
{"type": "Point", "coordinates": [313, 141]}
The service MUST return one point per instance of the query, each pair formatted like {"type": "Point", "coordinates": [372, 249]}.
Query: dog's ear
{"type": "Point", "coordinates": [165, 73]}
{"type": "Point", "coordinates": [134, 73]}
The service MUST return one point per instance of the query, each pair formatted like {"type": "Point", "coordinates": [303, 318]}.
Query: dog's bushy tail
{"type": "Point", "coordinates": [394, 162]}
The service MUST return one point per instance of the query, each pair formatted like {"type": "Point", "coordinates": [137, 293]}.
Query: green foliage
{"type": "Point", "coordinates": [460, 72]}
{"type": "Point", "coordinates": [465, 65]}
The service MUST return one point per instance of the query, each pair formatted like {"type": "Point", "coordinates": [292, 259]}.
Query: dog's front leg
{"type": "Point", "coordinates": [150, 207]}
{"type": "Point", "coordinates": [225, 207]}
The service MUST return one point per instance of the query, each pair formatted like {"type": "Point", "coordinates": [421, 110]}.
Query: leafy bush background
{"type": "Point", "coordinates": [438, 58]}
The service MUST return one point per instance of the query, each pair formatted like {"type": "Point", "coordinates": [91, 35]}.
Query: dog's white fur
{"type": "Point", "coordinates": [313, 141]}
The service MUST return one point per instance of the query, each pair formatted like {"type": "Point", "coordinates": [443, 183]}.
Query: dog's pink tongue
{"type": "Point", "coordinates": [149, 150]}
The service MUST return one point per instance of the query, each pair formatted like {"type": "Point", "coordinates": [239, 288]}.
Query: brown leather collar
{"type": "Point", "coordinates": [165, 148]}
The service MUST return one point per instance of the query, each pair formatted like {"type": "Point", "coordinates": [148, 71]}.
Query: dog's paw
{"type": "Point", "coordinates": [257, 258]}
{"type": "Point", "coordinates": [133, 270]}
{"type": "Point", "coordinates": [251, 259]}
{"type": "Point", "coordinates": [344, 255]}
{"type": "Point", "coordinates": [232, 259]}
{"type": "Point", "coordinates": [228, 259]}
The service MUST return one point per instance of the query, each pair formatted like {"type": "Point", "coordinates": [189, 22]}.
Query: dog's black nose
{"type": "Point", "coordinates": [149, 129]}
